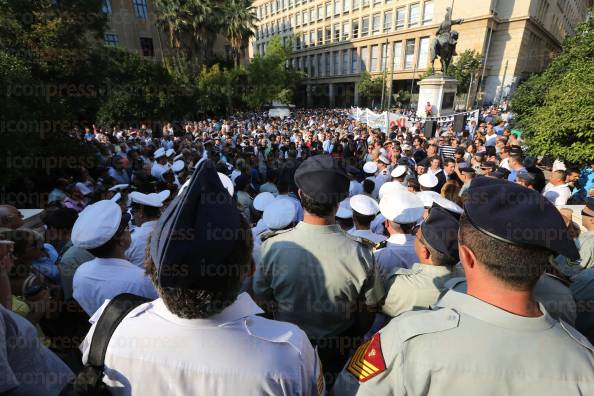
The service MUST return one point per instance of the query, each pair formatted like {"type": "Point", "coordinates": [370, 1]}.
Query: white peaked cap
{"type": "Point", "coordinates": [262, 200]}
{"type": "Point", "coordinates": [146, 199]}
{"type": "Point", "coordinates": [96, 224]}
{"type": "Point", "coordinates": [344, 209]}
{"type": "Point", "coordinates": [370, 167]}
{"type": "Point", "coordinates": [364, 204]}
{"type": "Point", "coordinates": [388, 187]}
{"type": "Point", "coordinates": [279, 214]}
{"type": "Point", "coordinates": [402, 207]}
{"type": "Point", "coordinates": [428, 180]}
{"type": "Point", "coordinates": [399, 171]}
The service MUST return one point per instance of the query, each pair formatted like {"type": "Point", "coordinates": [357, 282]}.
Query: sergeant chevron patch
{"type": "Point", "coordinates": [368, 361]}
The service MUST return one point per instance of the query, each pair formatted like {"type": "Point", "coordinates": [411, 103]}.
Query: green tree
{"type": "Point", "coordinates": [239, 23]}
{"type": "Point", "coordinates": [465, 68]}
{"type": "Point", "coordinates": [370, 88]}
{"type": "Point", "coordinates": [555, 109]}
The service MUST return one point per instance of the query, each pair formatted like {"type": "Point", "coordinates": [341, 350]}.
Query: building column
{"type": "Point", "coordinates": [331, 94]}
{"type": "Point", "coordinates": [356, 95]}
{"type": "Point", "coordinates": [309, 98]}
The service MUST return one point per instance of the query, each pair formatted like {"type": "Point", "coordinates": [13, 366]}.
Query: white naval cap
{"type": "Point", "coordinates": [279, 214]}
{"type": "Point", "coordinates": [160, 152]}
{"type": "Point", "coordinates": [370, 167]}
{"type": "Point", "coordinates": [364, 204]}
{"type": "Point", "coordinates": [96, 224]}
{"type": "Point", "coordinates": [344, 209]}
{"type": "Point", "coordinates": [428, 180]}
{"type": "Point", "coordinates": [402, 207]}
{"type": "Point", "coordinates": [383, 159]}
{"type": "Point", "coordinates": [388, 187]}
{"type": "Point", "coordinates": [430, 197]}
{"type": "Point", "coordinates": [178, 166]}
{"type": "Point", "coordinates": [163, 195]}
{"type": "Point", "coordinates": [116, 197]}
{"type": "Point", "coordinates": [399, 171]}
{"type": "Point", "coordinates": [83, 188]}
{"type": "Point", "coordinates": [227, 183]}
{"type": "Point", "coordinates": [262, 200]}
{"type": "Point", "coordinates": [179, 156]}
{"type": "Point", "coordinates": [169, 152]}
{"type": "Point", "coordinates": [119, 187]}
{"type": "Point", "coordinates": [146, 199]}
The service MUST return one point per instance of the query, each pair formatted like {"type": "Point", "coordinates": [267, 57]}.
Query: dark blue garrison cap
{"type": "Point", "coordinates": [196, 234]}
{"type": "Point", "coordinates": [440, 231]}
{"type": "Point", "coordinates": [517, 215]}
{"type": "Point", "coordinates": [323, 179]}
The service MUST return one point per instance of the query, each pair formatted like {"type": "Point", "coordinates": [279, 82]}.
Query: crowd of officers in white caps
{"type": "Point", "coordinates": [305, 256]}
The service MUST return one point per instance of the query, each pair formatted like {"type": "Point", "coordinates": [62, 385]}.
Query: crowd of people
{"type": "Point", "coordinates": [304, 255]}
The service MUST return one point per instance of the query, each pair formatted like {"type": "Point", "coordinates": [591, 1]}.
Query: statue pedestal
{"type": "Point", "coordinates": [440, 91]}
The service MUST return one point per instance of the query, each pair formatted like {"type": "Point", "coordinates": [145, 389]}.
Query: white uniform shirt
{"type": "Point", "coordinates": [154, 352]}
{"type": "Point", "coordinates": [558, 195]}
{"type": "Point", "coordinates": [398, 253]}
{"type": "Point", "coordinates": [102, 279]}
{"type": "Point", "coordinates": [136, 251]}
{"type": "Point", "coordinates": [368, 234]}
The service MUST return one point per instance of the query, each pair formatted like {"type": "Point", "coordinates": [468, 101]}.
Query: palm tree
{"type": "Point", "coordinates": [239, 23]}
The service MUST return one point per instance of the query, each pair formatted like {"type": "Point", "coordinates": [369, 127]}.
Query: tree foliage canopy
{"type": "Point", "coordinates": [555, 109]}
{"type": "Point", "coordinates": [370, 88]}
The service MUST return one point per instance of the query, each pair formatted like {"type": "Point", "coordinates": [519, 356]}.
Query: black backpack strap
{"type": "Point", "coordinates": [115, 311]}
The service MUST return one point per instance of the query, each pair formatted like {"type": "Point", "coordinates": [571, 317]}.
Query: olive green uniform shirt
{"type": "Point", "coordinates": [465, 346]}
{"type": "Point", "coordinates": [316, 275]}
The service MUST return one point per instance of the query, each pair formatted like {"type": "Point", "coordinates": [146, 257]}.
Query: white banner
{"type": "Point", "coordinates": [386, 120]}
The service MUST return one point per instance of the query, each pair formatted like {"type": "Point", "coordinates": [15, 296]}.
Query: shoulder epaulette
{"type": "Point", "coordinates": [366, 242]}
{"type": "Point", "coordinates": [381, 245]}
{"type": "Point", "coordinates": [269, 234]}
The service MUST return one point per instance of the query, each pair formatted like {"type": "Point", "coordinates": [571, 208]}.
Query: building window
{"type": "Point", "coordinates": [413, 19]}
{"type": "Point", "coordinates": [140, 8]}
{"type": "Point", "coordinates": [345, 62]}
{"type": "Point", "coordinates": [364, 26]}
{"type": "Point", "coordinates": [291, 3]}
{"type": "Point", "coordinates": [304, 40]}
{"type": "Point", "coordinates": [377, 2]}
{"type": "Point", "coordinates": [297, 42]}
{"type": "Point", "coordinates": [328, 35]}
{"type": "Point", "coordinates": [305, 18]}
{"type": "Point", "coordinates": [146, 44]}
{"type": "Point", "coordinates": [327, 64]}
{"type": "Point", "coordinates": [374, 55]}
{"type": "Point", "coordinates": [375, 24]}
{"type": "Point", "coordinates": [312, 15]}
{"type": "Point", "coordinates": [364, 3]}
{"type": "Point", "coordinates": [346, 5]}
{"type": "Point", "coordinates": [409, 53]}
{"type": "Point", "coordinates": [106, 7]}
{"type": "Point", "coordinates": [320, 37]}
{"type": "Point", "coordinates": [336, 65]}
{"type": "Point", "coordinates": [111, 39]}
{"type": "Point", "coordinates": [336, 32]}
{"type": "Point", "coordinates": [427, 12]}
{"type": "Point", "coordinates": [345, 30]}
{"type": "Point", "coordinates": [397, 55]}
{"type": "Point", "coordinates": [337, 7]}
{"type": "Point", "coordinates": [328, 9]}
{"type": "Point", "coordinates": [320, 65]}
{"type": "Point", "coordinates": [423, 52]}
{"type": "Point", "coordinates": [355, 30]}
{"type": "Point", "coordinates": [364, 56]}
{"type": "Point", "coordinates": [384, 60]}
{"type": "Point", "coordinates": [320, 12]}
{"type": "Point", "coordinates": [400, 18]}
{"type": "Point", "coordinates": [312, 65]}
{"type": "Point", "coordinates": [355, 4]}
{"type": "Point", "coordinates": [387, 21]}
{"type": "Point", "coordinates": [354, 60]}
{"type": "Point", "coordinates": [298, 19]}
{"type": "Point", "coordinates": [312, 38]}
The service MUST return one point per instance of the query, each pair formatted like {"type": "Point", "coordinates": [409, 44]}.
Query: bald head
{"type": "Point", "coordinates": [558, 177]}
{"type": "Point", "coordinates": [10, 217]}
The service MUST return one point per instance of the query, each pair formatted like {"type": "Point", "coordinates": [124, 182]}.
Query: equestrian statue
{"type": "Point", "coordinates": [444, 42]}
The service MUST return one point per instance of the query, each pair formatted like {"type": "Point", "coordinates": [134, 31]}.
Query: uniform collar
{"type": "Point", "coordinates": [149, 224]}
{"type": "Point", "coordinates": [400, 239]}
{"type": "Point", "coordinates": [242, 307]}
{"type": "Point", "coordinates": [323, 229]}
{"type": "Point", "coordinates": [112, 261]}
{"type": "Point", "coordinates": [432, 269]}
{"type": "Point", "coordinates": [483, 311]}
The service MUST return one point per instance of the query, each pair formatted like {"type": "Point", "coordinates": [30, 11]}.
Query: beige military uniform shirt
{"type": "Point", "coordinates": [549, 291]}
{"type": "Point", "coordinates": [582, 288]}
{"type": "Point", "coordinates": [465, 346]}
{"type": "Point", "coordinates": [415, 288]}
{"type": "Point", "coordinates": [316, 275]}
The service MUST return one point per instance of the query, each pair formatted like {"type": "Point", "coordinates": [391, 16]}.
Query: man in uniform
{"type": "Point", "coordinates": [401, 210]}
{"type": "Point", "coordinates": [364, 209]}
{"type": "Point", "coordinates": [201, 336]}
{"type": "Point", "coordinates": [586, 239]}
{"type": "Point", "coordinates": [318, 277]}
{"type": "Point", "coordinates": [475, 343]}
{"type": "Point", "coordinates": [103, 231]}
{"type": "Point", "coordinates": [436, 245]}
{"type": "Point", "coordinates": [145, 213]}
